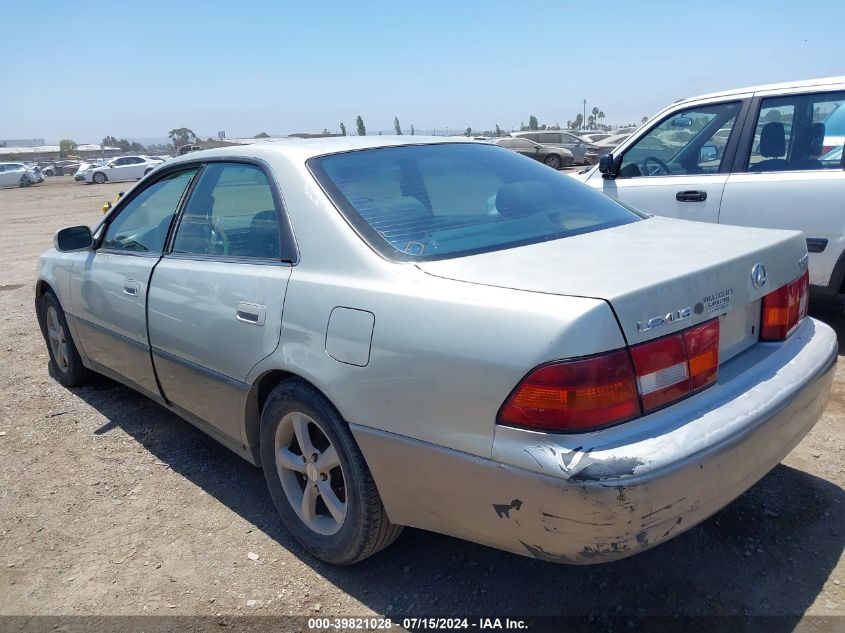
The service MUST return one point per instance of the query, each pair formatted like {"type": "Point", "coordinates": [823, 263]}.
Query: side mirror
{"type": "Point", "coordinates": [74, 238]}
{"type": "Point", "coordinates": [607, 165]}
{"type": "Point", "coordinates": [708, 153]}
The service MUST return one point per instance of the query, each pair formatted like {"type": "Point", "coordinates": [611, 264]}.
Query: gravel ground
{"type": "Point", "coordinates": [109, 504]}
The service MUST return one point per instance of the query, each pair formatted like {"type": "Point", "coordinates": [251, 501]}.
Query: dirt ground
{"type": "Point", "coordinates": [110, 504]}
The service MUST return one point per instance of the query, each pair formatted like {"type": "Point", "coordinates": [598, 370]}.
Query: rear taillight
{"type": "Point", "coordinates": [672, 367]}
{"type": "Point", "coordinates": [589, 393]}
{"type": "Point", "coordinates": [784, 309]}
{"type": "Point", "coordinates": [576, 395]}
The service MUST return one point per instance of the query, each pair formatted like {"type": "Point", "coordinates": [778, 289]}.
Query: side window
{"type": "Point", "coordinates": [142, 224]}
{"type": "Point", "coordinates": [531, 137]}
{"type": "Point", "coordinates": [549, 137]}
{"type": "Point", "coordinates": [799, 132]}
{"type": "Point", "coordinates": [521, 143]}
{"type": "Point", "coordinates": [688, 142]}
{"type": "Point", "coordinates": [570, 138]}
{"type": "Point", "coordinates": [231, 213]}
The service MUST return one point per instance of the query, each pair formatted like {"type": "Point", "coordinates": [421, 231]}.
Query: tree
{"type": "Point", "coordinates": [532, 123]}
{"type": "Point", "coordinates": [181, 136]}
{"type": "Point", "coordinates": [578, 121]}
{"type": "Point", "coordinates": [595, 112]}
{"type": "Point", "coordinates": [591, 122]}
{"type": "Point", "coordinates": [568, 125]}
{"type": "Point", "coordinates": [469, 131]}
{"type": "Point", "coordinates": [396, 126]}
{"type": "Point", "coordinates": [644, 120]}
{"type": "Point", "coordinates": [498, 131]}
{"type": "Point", "coordinates": [359, 123]}
{"type": "Point", "coordinates": [342, 129]}
{"type": "Point", "coordinates": [137, 148]}
{"type": "Point", "coordinates": [412, 129]}
{"type": "Point", "coordinates": [66, 146]}
{"type": "Point", "coordinates": [261, 135]}
{"type": "Point", "coordinates": [600, 115]}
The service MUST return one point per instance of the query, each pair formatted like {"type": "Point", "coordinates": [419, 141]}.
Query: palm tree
{"type": "Point", "coordinates": [595, 112]}
{"type": "Point", "coordinates": [600, 115]}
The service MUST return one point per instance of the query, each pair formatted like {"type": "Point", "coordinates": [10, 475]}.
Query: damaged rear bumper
{"type": "Point", "coordinates": [601, 496]}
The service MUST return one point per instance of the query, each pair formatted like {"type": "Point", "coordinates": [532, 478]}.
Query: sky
{"type": "Point", "coordinates": [86, 69]}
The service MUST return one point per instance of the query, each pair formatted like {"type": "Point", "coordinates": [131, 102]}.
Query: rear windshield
{"type": "Point", "coordinates": [426, 202]}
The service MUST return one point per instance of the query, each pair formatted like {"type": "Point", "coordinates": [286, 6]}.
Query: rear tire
{"type": "Point", "coordinates": [327, 500]}
{"type": "Point", "coordinates": [553, 161]}
{"type": "Point", "coordinates": [99, 178]}
{"type": "Point", "coordinates": [65, 363]}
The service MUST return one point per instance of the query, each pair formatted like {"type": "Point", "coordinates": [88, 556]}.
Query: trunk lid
{"type": "Point", "coordinates": [659, 275]}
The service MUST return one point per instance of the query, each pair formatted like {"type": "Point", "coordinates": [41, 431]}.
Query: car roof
{"type": "Point", "coordinates": [303, 149]}
{"type": "Point", "coordinates": [807, 83]}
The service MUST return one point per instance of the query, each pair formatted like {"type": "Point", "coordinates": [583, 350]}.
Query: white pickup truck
{"type": "Point", "coordinates": [767, 156]}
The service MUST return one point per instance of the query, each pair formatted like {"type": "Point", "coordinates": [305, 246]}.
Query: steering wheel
{"type": "Point", "coordinates": [657, 167]}
{"type": "Point", "coordinates": [218, 236]}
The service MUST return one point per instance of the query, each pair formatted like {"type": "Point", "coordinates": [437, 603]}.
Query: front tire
{"type": "Point", "coordinates": [99, 178]}
{"type": "Point", "coordinates": [24, 182]}
{"type": "Point", "coordinates": [318, 478]}
{"type": "Point", "coordinates": [65, 363]}
{"type": "Point", "coordinates": [553, 161]}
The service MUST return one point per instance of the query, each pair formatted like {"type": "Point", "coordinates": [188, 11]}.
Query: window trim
{"type": "Point", "coordinates": [103, 227]}
{"type": "Point", "coordinates": [287, 239]}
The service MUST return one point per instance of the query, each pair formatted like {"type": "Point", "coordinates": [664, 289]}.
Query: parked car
{"type": "Point", "coordinates": [594, 137]}
{"type": "Point", "coordinates": [424, 332]}
{"type": "Point", "coordinates": [18, 175]}
{"type": "Point", "coordinates": [122, 168]}
{"type": "Point", "coordinates": [583, 153]}
{"type": "Point", "coordinates": [774, 161]}
{"type": "Point", "coordinates": [69, 167]}
{"type": "Point", "coordinates": [50, 168]}
{"type": "Point", "coordinates": [611, 142]}
{"type": "Point", "coordinates": [554, 157]}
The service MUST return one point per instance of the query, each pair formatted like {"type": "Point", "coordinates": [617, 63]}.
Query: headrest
{"type": "Point", "coordinates": [772, 140]}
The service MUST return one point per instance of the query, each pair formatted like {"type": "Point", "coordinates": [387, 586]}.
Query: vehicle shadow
{"type": "Point", "coordinates": [832, 314]}
{"type": "Point", "coordinates": [768, 553]}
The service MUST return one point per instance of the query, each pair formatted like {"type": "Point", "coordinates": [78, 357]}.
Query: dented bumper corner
{"type": "Point", "coordinates": [596, 497]}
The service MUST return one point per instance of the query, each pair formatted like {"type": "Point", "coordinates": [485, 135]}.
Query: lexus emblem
{"type": "Point", "coordinates": [758, 276]}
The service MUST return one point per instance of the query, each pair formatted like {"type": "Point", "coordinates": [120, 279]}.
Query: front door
{"type": "Point", "coordinates": [215, 303]}
{"type": "Point", "coordinates": [109, 286]}
{"type": "Point", "coordinates": [676, 169]}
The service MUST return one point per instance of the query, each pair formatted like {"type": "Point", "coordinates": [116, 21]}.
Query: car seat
{"type": "Point", "coordinates": [772, 147]}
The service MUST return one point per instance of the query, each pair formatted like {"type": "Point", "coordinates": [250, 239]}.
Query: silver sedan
{"type": "Point", "coordinates": [449, 336]}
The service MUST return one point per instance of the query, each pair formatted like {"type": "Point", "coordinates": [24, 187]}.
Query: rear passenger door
{"type": "Point", "coordinates": [216, 297]}
{"type": "Point", "coordinates": [788, 174]}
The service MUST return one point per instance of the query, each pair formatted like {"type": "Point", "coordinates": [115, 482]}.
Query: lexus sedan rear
{"type": "Point", "coordinates": [446, 335]}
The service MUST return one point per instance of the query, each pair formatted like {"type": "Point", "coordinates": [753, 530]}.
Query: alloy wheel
{"type": "Point", "coordinates": [58, 340]}
{"type": "Point", "coordinates": [310, 472]}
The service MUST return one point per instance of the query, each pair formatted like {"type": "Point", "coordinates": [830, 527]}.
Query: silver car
{"type": "Point", "coordinates": [449, 336]}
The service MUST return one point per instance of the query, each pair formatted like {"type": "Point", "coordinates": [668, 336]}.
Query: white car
{"type": "Point", "coordinates": [17, 175]}
{"type": "Point", "coordinates": [122, 168]}
{"type": "Point", "coordinates": [764, 156]}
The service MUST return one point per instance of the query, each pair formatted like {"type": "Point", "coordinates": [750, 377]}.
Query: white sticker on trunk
{"type": "Point", "coordinates": [717, 303]}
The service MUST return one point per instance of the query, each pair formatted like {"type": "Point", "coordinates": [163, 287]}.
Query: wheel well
{"type": "Point", "coordinates": [255, 400]}
{"type": "Point", "coordinates": [41, 287]}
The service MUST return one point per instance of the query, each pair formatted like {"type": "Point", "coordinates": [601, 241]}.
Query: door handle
{"type": "Point", "coordinates": [251, 313]}
{"type": "Point", "coordinates": [130, 287]}
{"type": "Point", "coordinates": [691, 196]}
